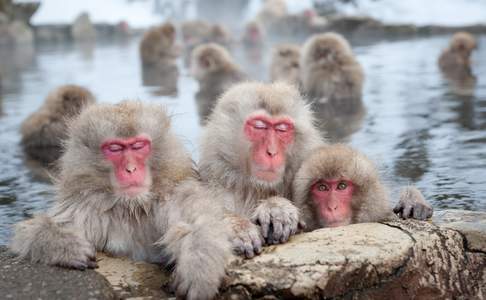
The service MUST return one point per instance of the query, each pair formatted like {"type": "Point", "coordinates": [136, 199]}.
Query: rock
{"type": "Point", "coordinates": [471, 224]}
{"type": "Point", "coordinates": [82, 28]}
{"type": "Point", "coordinates": [133, 279]}
{"type": "Point", "coordinates": [22, 280]}
{"type": "Point", "coordinates": [395, 260]}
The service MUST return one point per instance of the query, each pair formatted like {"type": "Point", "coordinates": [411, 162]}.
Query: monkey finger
{"type": "Point", "coordinates": [92, 265]}
{"type": "Point", "coordinates": [264, 223]}
{"type": "Point", "coordinates": [277, 232]}
{"type": "Point", "coordinates": [418, 212]}
{"type": "Point", "coordinates": [285, 233]}
{"type": "Point", "coordinates": [407, 212]}
{"type": "Point", "coordinates": [249, 253]}
{"type": "Point", "coordinates": [78, 265]}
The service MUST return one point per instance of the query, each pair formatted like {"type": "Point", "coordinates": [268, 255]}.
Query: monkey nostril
{"type": "Point", "coordinates": [131, 169]}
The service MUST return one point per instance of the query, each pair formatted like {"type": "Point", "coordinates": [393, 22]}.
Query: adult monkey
{"type": "Point", "coordinates": [338, 185]}
{"type": "Point", "coordinates": [124, 189]}
{"type": "Point", "coordinates": [254, 142]}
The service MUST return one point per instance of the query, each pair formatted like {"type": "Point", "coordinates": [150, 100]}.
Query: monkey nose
{"type": "Point", "coordinates": [130, 169]}
{"type": "Point", "coordinates": [271, 153]}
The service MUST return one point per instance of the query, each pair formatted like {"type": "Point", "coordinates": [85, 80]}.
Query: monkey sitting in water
{"type": "Point", "coordinates": [44, 130]}
{"type": "Point", "coordinates": [337, 185]}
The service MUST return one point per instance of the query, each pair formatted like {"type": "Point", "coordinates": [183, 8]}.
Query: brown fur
{"type": "Point", "coordinates": [285, 64]}
{"type": "Point", "coordinates": [158, 46]}
{"type": "Point", "coordinates": [214, 69]}
{"type": "Point", "coordinates": [44, 130]}
{"type": "Point", "coordinates": [370, 200]}
{"type": "Point", "coordinates": [336, 78]}
{"type": "Point", "coordinates": [166, 224]}
{"type": "Point", "coordinates": [455, 60]}
{"type": "Point", "coordinates": [225, 154]}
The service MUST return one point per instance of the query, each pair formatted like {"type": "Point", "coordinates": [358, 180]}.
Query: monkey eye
{"type": "Point", "coordinates": [282, 127]}
{"type": "Point", "coordinates": [115, 147]}
{"type": "Point", "coordinates": [259, 124]}
{"type": "Point", "coordinates": [322, 187]}
{"type": "Point", "coordinates": [342, 186]}
{"type": "Point", "coordinates": [138, 145]}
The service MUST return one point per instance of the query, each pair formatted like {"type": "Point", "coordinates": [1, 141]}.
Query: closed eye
{"type": "Point", "coordinates": [138, 145]}
{"type": "Point", "coordinates": [114, 148]}
{"type": "Point", "coordinates": [282, 127]}
{"type": "Point", "coordinates": [259, 124]}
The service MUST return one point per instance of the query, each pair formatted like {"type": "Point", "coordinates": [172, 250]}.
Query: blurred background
{"type": "Point", "coordinates": [419, 126]}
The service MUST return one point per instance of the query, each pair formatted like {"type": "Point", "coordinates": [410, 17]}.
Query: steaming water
{"type": "Point", "coordinates": [415, 128]}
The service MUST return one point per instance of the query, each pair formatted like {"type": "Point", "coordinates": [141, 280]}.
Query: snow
{"type": "Point", "coordinates": [141, 13]}
{"type": "Point", "coordinates": [421, 12]}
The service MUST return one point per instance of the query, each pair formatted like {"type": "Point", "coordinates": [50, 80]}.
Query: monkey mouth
{"type": "Point", "coordinates": [133, 190]}
{"type": "Point", "coordinates": [268, 175]}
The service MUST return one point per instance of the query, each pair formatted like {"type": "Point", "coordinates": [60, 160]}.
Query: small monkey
{"type": "Point", "coordinates": [456, 58]}
{"type": "Point", "coordinates": [253, 35]}
{"type": "Point", "coordinates": [337, 185]}
{"type": "Point", "coordinates": [330, 72]}
{"type": "Point", "coordinates": [44, 130]}
{"type": "Point", "coordinates": [455, 63]}
{"type": "Point", "coordinates": [124, 188]}
{"type": "Point", "coordinates": [285, 64]}
{"type": "Point", "coordinates": [83, 29]}
{"type": "Point", "coordinates": [253, 143]}
{"type": "Point", "coordinates": [158, 46]}
{"type": "Point", "coordinates": [214, 69]}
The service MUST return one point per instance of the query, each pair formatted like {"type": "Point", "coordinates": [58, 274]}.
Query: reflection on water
{"type": "Point", "coordinates": [416, 127]}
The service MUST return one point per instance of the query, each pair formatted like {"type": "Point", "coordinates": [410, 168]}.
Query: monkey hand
{"type": "Point", "coordinates": [246, 237]}
{"type": "Point", "coordinates": [74, 252]}
{"type": "Point", "coordinates": [413, 205]}
{"type": "Point", "coordinates": [278, 219]}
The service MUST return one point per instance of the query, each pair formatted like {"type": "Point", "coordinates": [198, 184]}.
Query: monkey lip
{"type": "Point", "coordinates": [268, 175]}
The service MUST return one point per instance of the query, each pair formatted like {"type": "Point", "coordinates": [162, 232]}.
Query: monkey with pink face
{"type": "Point", "coordinates": [126, 187]}
{"type": "Point", "coordinates": [337, 185]}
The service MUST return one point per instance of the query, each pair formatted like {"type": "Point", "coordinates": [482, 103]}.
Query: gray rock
{"type": "Point", "coordinates": [471, 224]}
{"type": "Point", "coordinates": [22, 280]}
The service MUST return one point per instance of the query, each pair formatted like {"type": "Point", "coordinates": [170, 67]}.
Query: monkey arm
{"type": "Point", "coordinates": [196, 239]}
{"type": "Point", "coordinates": [278, 219]}
{"type": "Point", "coordinates": [43, 240]}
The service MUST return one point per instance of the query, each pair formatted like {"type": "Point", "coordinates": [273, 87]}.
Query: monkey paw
{"type": "Point", "coordinates": [278, 219]}
{"type": "Point", "coordinates": [413, 205]}
{"type": "Point", "coordinates": [76, 253]}
{"type": "Point", "coordinates": [246, 238]}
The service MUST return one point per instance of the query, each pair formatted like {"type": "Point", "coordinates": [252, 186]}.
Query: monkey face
{"type": "Point", "coordinates": [269, 138]}
{"type": "Point", "coordinates": [332, 200]}
{"type": "Point", "coordinates": [130, 176]}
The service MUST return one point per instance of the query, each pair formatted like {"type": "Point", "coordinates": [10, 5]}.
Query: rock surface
{"type": "Point", "coordinates": [392, 260]}
{"type": "Point", "coordinates": [21, 280]}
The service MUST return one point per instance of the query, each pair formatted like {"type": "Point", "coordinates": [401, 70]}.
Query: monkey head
{"type": "Point", "coordinates": [257, 128]}
{"type": "Point", "coordinates": [118, 149]}
{"type": "Point", "coordinates": [208, 58]}
{"type": "Point", "coordinates": [68, 100]}
{"type": "Point", "coordinates": [253, 33]}
{"type": "Point", "coordinates": [325, 50]}
{"type": "Point", "coordinates": [340, 186]}
{"type": "Point", "coordinates": [168, 32]}
{"type": "Point", "coordinates": [288, 55]}
{"type": "Point", "coordinates": [463, 43]}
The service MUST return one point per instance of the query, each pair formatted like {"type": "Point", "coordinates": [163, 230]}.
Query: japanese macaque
{"type": "Point", "coordinates": [253, 143]}
{"type": "Point", "coordinates": [330, 72]}
{"type": "Point", "coordinates": [44, 131]}
{"type": "Point", "coordinates": [285, 64]}
{"type": "Point", "coordinates": [125, 188]}
{"type": "Point", "coordinates": [271, 11]}
{"type": "Point", "coordinates": [457, 57]}
{"type": "Point", "coordinates": [83, 29]}
{"type": "Point", "coordinates": [455, 63]}
{"type": "Point", "coordinates": [337, 185]}
{"type": "Point", "coordinates": [214, 69]}
{"type": "Point", "coordinates": [253, 35]}
{"type": "Point", "coordinates": [158, 46]}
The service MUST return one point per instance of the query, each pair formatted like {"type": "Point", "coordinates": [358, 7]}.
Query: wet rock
{"type": "Point", "coordinates": [133, 279]}
{"type": "Point", "coordinates": [395, 260]}
{"type": "Point", "coordinates": [471, 224]}
{"type": "Point", "coordinates": [22, 280]}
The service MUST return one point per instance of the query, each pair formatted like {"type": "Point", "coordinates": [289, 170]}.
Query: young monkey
{"type": "Point", "coordinates": [337, 185]}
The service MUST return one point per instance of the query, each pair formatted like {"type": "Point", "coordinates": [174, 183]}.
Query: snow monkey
{"type": "Point", "coordinates": [125, 188]}
{"type": "Point", "coordinates": [285, 64]}
{"type": "Point", "coordinates": [329, 71]}
{"type": "Point", "coordinates": [254, 142]}
{"type": "Point", "coordinates": [44, 130]}
{"type": "Point", "coordinates": [338, 185]}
